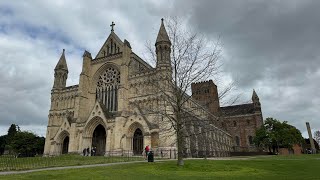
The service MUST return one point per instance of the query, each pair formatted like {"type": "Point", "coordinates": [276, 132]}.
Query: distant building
{"type": "Point", "coordinates": [241, 121]}
{"type": "Point", "coordinates": [296, 150]}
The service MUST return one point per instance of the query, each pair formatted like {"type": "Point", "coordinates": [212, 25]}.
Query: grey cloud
{"type": "Point", "coordinates": [271, 46]}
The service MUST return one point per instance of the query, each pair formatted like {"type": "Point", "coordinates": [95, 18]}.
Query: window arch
{"type": "Point", "coordinates": [107, 88]}
{"type": "Point", "coordinates": [250, 140]}
{"type": "Point", "coordinates": [237, 141]}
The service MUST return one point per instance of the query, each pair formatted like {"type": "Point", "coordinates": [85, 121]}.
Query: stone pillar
{"type": "Point", "coordinates": [73, 140]}
{"type": "Point", "coordinates": [313, 149]}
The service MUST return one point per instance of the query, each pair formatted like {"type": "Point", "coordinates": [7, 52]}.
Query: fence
{"type": "Point", "coordinates": [173, 153]}
{"type": "Point", "coordinates": [19, 162]}
{"type": "Point", "coordinates": [15, 162]}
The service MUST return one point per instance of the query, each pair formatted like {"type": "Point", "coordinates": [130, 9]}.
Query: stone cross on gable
{"type": "Point", "coordinates": [112, 24]}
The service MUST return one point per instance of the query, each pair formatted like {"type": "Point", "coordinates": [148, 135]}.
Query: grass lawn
{"type": "Point", "coordinates": [271, 168]}
{"type": "Point", "coordinates": [9, 163]}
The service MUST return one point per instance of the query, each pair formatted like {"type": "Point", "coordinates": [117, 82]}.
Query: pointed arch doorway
{"type": "Point", "coordinates": [99, 140]}
{"type": "Point", "coordinates": [137, 142]}
{"type": "Point", "coordinates": [65, 145]}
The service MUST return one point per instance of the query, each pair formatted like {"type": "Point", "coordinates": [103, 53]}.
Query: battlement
{"type": "Point", "coordinates": [201, 82]}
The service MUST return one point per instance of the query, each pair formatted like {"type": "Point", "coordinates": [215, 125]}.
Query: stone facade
{"type": "Point", "coordinates": [241, 121]}
{"type": "Point", "coordinates": [108, 109]}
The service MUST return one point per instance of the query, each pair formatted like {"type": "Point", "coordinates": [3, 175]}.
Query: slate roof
{"type": "Point", "coordinates": [241, 109]}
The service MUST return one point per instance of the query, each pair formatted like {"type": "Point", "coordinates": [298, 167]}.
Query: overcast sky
{"type": "Point", "coordinates": [270, 46]}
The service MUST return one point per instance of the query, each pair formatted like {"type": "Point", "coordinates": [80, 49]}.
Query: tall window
{"type": "Point", "coordinates": [237, 141]}
{"type": "Point", "coordinates": [107, 89]}
{"type": "Point", "coordinates": [250, 140]}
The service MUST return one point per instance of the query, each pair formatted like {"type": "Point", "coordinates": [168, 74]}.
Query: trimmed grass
{"type": "Point", "coordinates": [275, 167]}
{"type": "Point", "coordinates": [9, 163]}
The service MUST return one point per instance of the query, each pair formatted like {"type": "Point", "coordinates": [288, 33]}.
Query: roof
{"type": "Point", "coordinates": [240, 109]}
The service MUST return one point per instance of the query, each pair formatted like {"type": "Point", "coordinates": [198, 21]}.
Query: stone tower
{"type": "Point", "coordinates": [60, 73]}
{"type": "Point", "coordinates": [256, 101]}
{"type": "Point", "coordinates": [206, 93]}
{"type": "Point", "coordinates": [313, 148]}
{"type": "Point", "coordinates": [163, 48]}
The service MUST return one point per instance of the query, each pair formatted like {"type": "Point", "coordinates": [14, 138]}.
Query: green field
{"type": "Point", "coordinates": [9, 163]}
{"type": "Point", "coordinates": [271, 168]}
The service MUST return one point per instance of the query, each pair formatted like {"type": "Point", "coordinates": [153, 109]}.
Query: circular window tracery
{"type": "Point", "coordinates": [107, 88]}
{"type": "Point", "coordinates": [110, 76]}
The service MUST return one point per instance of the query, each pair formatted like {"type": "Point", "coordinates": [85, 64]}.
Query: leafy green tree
{"type": "Point", "coordinates": [12, 131]}
{"type": "Point", "coordinates": [3, 142]}
{"type": "Point", "coordinates": [27, 143]}
{"type": "Point", "coordinates": [275, 134]}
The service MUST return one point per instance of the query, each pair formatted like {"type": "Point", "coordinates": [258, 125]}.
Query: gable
{"type": "Point", "coordinates": [99, 110]}
{"type": "Point", "coordinates": [137, 65]}
{"type": "Point", "coordinates": [113, 45]}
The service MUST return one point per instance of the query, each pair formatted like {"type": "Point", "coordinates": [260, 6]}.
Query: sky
{"type": "Point", "coordinates": [270, 46]}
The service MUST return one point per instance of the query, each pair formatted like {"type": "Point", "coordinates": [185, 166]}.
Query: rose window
{"type": "Point", "coordinates": [107, 88]}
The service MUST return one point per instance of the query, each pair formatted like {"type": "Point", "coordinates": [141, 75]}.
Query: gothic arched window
{"type": "Point", "coordinates": [107, 88]}
{"type": "Point", "coordinates": [250, 140]}
{"type": "Point", "coordinates": [237, 141]}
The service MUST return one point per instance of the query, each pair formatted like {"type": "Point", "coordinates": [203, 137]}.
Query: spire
{"type": "Point", "coordinates": [254, 96]}
{"type": "Point", "coordinates": [62, 64]}
{"type": "Point", "coordinates": [256, 102]}
{"type": "Point", "coordinates": [162, 35]}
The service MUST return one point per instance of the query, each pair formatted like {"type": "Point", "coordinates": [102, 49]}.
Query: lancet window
{"type": "Point", "coordinates": [107, 89]}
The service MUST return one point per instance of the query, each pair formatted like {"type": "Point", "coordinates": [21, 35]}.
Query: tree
{"type": "Point", "coordinates": [27, 143]}
{"type": "Point", "coordinates": [22, 142]}
{"type": "Point", "coordinates": [192, 58]}
{"type": "Point", "coordinates": [12, 132]}
{"type": "Point", "coordinates": [275, 134]}
{"type": "Point", "coordinates": [3, 142]}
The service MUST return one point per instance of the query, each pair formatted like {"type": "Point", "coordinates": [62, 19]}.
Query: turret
{"type": "Point", "coordinates": [86, 62]}
{"type": "Point", "coordinates": [60, 73]}
{"type": "Point", "coordinates": [163, 47]}
{"type": "Point", "coordinates": [84, 76]}
{"type": "Point", "coordinates": [256, 102]}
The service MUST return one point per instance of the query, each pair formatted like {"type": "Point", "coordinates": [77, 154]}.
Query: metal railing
{"type": "Point", "coordinates": [14, 162]}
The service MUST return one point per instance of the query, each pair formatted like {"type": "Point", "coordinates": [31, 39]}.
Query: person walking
{"type": "Point", "coordinates": [147, 149]}
{"type": "Point", "coordinates": [84, 151]}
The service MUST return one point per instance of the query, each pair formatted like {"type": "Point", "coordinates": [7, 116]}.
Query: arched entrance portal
{"type": "Point", "coordinates": [65, 145]}
{"type": "Point", "coordinates": [99, 140]}
{"type": "Point", "coordinates": [137, 142]}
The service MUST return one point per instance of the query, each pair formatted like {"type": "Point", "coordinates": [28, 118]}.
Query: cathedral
{"type": "Point", "coordinates": [102, 111]}
{"type": "Point", "coordinates": [241, 120]}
